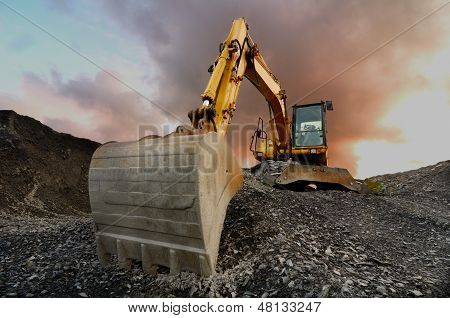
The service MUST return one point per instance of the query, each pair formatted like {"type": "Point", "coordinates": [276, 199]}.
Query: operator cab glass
{"type": "Point", "coordinates": [308, 129]}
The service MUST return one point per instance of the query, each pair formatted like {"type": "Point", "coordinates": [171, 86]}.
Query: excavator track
{"type": "Point", "coordinates": [162, 201]}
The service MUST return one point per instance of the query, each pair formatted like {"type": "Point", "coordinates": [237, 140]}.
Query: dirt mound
{"type": "Point", "coordinates": [43, 172]}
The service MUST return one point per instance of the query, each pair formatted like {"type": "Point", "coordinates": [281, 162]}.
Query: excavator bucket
{"type": "Point", "coordinates": [319, 176]}
{"type": "Point", "coordinates": [162, 201]}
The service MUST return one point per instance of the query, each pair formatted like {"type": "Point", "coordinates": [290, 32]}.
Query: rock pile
{"type": "Point", "coordinates": [275, 243]}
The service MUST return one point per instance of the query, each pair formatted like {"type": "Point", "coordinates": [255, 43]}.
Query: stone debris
{"type": "Point", "coordinates": [270, 247]}
{"type": "Point", "coordinates": [275, 243]}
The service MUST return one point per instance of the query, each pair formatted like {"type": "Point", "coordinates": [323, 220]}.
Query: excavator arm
{"type": "Point", "coordinates": [239, 57]}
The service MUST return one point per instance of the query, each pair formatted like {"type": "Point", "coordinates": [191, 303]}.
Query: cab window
{"type": "Point", "coordinates": [308, 129]}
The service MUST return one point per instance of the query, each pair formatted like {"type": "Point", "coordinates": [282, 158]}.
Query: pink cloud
{"type": "Point", "coordinates": [100, 108]}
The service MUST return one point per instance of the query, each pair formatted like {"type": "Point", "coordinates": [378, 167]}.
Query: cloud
{"type": "Point", "coordinates": [305, 43]}
{"type": "Point", "coordinates": [98, 108]}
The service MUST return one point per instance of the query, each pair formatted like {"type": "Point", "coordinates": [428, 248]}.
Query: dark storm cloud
{"type": "Point", "coordinates": [304, 42]}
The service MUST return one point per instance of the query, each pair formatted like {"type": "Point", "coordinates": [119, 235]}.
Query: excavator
{"type": "Point", "coordinates": [162, 200]}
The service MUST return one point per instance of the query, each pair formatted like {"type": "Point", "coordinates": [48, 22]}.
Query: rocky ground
{"type": "Point", "coordinates": [393, 242]}
{"type": "Point", "coordinates": [275, 243]}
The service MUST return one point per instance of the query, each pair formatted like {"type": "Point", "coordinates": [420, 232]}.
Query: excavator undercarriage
{"type": "Point", "coordinates": [295, 176]}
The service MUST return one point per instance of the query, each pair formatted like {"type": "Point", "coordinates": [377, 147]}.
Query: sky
{"type": "Point", "coordinates": [109, 70]}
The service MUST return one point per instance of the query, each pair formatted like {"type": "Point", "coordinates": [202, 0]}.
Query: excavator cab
{"type": "Point", "coordinates": [305, 165]}
{"type": "Point", "coordinates": [309, 142]}
{"type": "Point", "coordinates": [309, 161]}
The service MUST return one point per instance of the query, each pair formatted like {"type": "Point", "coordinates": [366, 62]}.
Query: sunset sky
{"type": "Point", "coordinates": [392, 110]}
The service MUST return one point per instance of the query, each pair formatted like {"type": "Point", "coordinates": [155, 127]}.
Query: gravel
{"type": "Point", "coordinates": [275, 243]}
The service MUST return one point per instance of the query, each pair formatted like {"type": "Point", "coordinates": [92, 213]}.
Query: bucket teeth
{"type": "Point", "coordinates": [148, 265]}
{"type": "Point", "coordinates": [205, 269]}
{"type": "Point", "coordinates": [162, 201]}
{"type": "Point", "coordinates": [103, 256]}
{"type": "Point", "coordinates": [174, 262]}
{"type": "Point", "coordinates": [122, 255]}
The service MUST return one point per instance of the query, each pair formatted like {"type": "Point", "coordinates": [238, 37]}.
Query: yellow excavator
{"type": "Point", "coordinates": [162, 200]}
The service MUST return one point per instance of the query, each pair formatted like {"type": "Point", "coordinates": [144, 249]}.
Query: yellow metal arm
{"type": "Point", "coordinates": [268, 85]}
{"type": "Point", "coordinates": [240, 57]}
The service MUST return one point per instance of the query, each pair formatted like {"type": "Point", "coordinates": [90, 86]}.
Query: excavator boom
{"type": "Point", "coordinates": [239, 57]}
